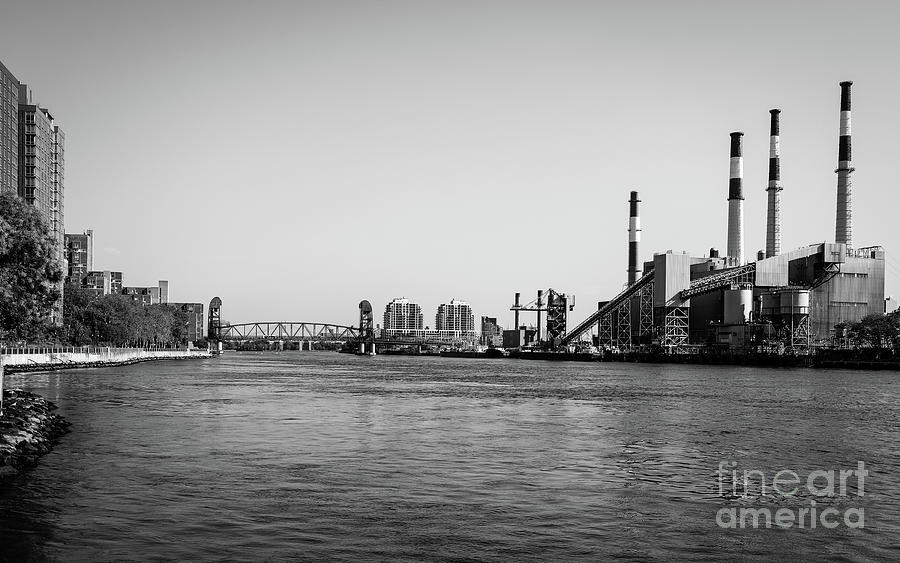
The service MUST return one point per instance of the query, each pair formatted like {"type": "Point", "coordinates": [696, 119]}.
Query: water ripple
{"type": "Point", "coordinates": [324, 456]}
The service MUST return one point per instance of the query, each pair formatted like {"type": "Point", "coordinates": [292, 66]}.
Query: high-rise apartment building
{"type": "Point", "coordinates": [79, 250]}
{"type": "Point", "coordinates": [149, 295]}
{"type": "Point", "coordinates": [9, 131]}
{"type": "Point", "coordinates": [143, 295]}
{"type": "Point", "coordinates": [32, 162]}
{"type": "Point", "coordinates": [456, 315]}
{"type": "Point", "coordinates": [42, 164]}
{"type": "Point", "coordinates": [57, 187]}
{"type": "Point", "coordinates": [42, 174]}
{"type": "Point", "coordinates": [103, 282]}
{"type": "Point", "coordinates": [35, 141]}
{"type": "Point", "coordinates": [401, 315]}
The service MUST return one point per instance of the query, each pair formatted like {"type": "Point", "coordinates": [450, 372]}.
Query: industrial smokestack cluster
{"type": "Point", "coordinates": [735, 244]}
{"type": "Point", "coordinates": [634, 238]}
{"type": "Point", "coordinates": [773, 214]}
{"type": "Point", "coordinates": [844, 223]}
{"type": "Point", "coordinates": [843, 232]}
{"type": "Point", "coordinates": [736, 199]}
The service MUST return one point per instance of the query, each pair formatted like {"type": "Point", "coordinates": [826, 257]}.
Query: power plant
{"type": "Point", "coordinates": [781, 302]}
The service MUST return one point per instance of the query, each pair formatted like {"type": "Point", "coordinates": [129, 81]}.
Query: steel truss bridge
{"type": "Point", "coordinates": [288, 331]}
{"type": "Point", "coordinates": [317, 332]}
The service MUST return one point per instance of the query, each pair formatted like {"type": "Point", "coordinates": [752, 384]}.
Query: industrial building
{"type": "Point", "coordinates": [783, 301]}
{"type": "Point", "coordinates": [555, 307]}
{"type": "Point", "coordinates": [519, 338]}
{"type": "Point", "coordinates": [491, 332]}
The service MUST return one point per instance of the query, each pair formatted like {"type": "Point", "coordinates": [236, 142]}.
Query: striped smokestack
{"type": "Point", "coordinates": [773, 216]}
{"type": "Point", "coordinates": [736, 199]}
{"type": "Point", "coordinates": [843, 231]}
{"type": "Point", "coordinates": [634, 238]}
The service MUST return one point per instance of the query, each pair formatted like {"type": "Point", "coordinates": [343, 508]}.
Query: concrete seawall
{"type": "Point", "coordinates": [34, 359]}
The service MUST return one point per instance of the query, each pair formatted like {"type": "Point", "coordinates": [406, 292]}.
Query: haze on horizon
{"type": "Point", "coordinates": [294, 158]}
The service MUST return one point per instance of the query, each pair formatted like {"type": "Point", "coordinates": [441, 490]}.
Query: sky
{"type": "Point", "coordinates": [294, 158]}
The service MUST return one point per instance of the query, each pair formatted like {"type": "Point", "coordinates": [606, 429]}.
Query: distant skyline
{"type": "Point", "coordinates": [294, 158]}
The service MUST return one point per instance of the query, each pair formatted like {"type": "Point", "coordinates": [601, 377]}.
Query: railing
{"type": "Point", "coordinates": [865, 252]}
{"type": "Point", "coordinates": [20, 350]}
{"type": "Point", "coordinates": [428, 335]}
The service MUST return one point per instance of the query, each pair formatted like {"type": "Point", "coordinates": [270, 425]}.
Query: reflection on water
{"type": "Point", "coordinates": [321, 455]}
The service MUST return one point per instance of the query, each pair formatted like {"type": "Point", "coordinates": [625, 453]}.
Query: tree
{"type": "Point", "coordinates": [77, 320]}
{"type": "Point", "coordinates": [876, 331]}
{"type": "Point", "coordinates": [118, 320]}
{"type": "Point", "coordinates": [895, 318]}
{"type": "Point", "coordinates": [29, 272]}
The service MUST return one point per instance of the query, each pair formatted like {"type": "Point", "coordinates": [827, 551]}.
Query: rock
{"type": "Point", "coordinates": [28, 430]}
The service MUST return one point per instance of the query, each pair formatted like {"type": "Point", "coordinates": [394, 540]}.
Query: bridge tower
{"type": "Point", "coordinates": [214, 322]}
{"type": "Point", "coordinates": [366, 328]}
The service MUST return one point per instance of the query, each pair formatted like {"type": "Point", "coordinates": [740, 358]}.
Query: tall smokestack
{"type": "Point", "coordinates": [773, 216]}
{"type": "Point", "coordinates": [634, 238]}
{"type": "Point", "coordinates": [843, 231]}
{"type": "Point", "coordinates": [540, 303]}
{"type": "Point", "coordinates": [517, 310]}
{"type": "Point", "coordinates": [736, 199]}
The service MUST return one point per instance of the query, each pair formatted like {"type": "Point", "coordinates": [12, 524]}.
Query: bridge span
{"type": "Point", "coordinates": [365, 336]}
{"type": "Point", "coordinates": [290, 331]}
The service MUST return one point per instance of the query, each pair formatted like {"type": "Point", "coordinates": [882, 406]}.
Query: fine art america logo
{"type": "Point", "coordinates": [789, 497]}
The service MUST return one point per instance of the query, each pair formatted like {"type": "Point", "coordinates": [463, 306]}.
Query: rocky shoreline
{"type": "Point", "coordinates": [28, 429]}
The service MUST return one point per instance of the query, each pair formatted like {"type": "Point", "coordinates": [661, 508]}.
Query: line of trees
{"type": "Point", "coordinates": [30, 278]}
{"type": "Point", "coordinates": [118, 320]}
{"type": "Point", "coordinates": [876, 331]}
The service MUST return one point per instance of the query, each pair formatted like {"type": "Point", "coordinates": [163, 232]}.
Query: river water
{"type": "Point", "coordinates": [324, 456]}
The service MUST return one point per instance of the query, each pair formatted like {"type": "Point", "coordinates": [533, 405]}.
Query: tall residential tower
{"type": "Point", "coordinates": [456, 315]}
{"type": "Point", "coordinates": [401, 315]}
{"type": "Point", "coordinates": [9, 131]}
{"type": "Point", "coordinates": [41, 169]}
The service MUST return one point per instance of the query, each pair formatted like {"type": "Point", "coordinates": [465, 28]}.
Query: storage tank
{"type": "Point", "coordinates": [794, 301]}
{"type": "Point", "coordinates": [771, 305]}
{"type": "Point", "coordinates": [738, 304]}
